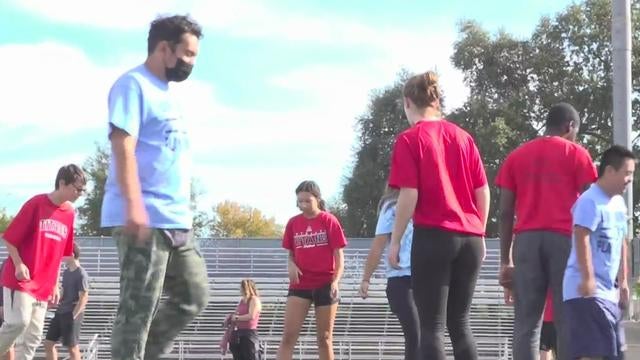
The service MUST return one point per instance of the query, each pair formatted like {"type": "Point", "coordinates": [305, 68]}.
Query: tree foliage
{"type": "Point", "coordinates": [5, 220]}
{"type": "Point", "coordinates": [377, 130]}
{"type": "Point", "coordinates": [512, 84]}
{"type": "Point", "coordinates": [95, 168]}
{"type": "Point", "coordinates": [232, 219]}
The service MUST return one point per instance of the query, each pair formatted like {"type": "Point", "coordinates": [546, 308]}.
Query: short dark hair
{"type": "Point", "coordinates": [76, 251]}
{"type": "Point", "coordinates": [614, 156]}
{"type": "Point", "coordinates": [561, 114]}
{"type": "Point", "coordinates": [171, 29]}
{"type": "Point", "coordinates": [70, 174]}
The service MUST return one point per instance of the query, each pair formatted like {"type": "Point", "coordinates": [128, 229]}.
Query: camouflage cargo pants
{"type": "Point", "coordinates": [144, 328]}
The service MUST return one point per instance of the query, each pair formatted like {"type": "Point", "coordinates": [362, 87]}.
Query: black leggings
{"type": "Point", "coordinates": [444, 270]}
{"type": "Point", "coordinates": [245, 345]}
{"type": "Point", "coordinates": [401, 302]}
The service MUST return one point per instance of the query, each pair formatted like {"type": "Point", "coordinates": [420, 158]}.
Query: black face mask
{"type": "Point", "coordinates": [180, 72]}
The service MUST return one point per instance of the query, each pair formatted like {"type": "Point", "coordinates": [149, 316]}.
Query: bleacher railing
{"type": "Point", "coordinates": [229, 259]}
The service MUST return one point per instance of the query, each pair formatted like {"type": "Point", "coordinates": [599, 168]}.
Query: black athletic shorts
{"type": "Point", "coordinates": [319, 297]}
{"type": "Point", "coordinates": [65, 327]}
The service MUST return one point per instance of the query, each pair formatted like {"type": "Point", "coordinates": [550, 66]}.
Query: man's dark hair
{"type": "Point", "coordinates": [561, 114]}
{"type": "Point", "coordinates": [171, 29]}
{"type": "Point", "coordinates": [614, 156]}
{"type": "Point", "coordinates": [76, 251]}
{"type": "Point", "coordinates": [70, 174]}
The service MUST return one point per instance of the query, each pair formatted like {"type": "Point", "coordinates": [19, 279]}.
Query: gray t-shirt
{"type": "Point", "coordinates": [73, 282]}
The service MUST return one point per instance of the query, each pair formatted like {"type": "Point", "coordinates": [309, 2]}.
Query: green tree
{"type": "Point", "coordinates": [377, 130]}
{"type": "Point", "coordinates": [201, 219]}
{"type": "Point", "coordinates": [232, 219]}
{"type": "Point", "coordinates": [5, 220]}
{"type": "Point", "coordinates": [513, 82]}
{"type": "Point", "coordinates": [95, 167]}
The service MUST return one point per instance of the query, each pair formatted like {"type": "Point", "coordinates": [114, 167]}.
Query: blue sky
{"type": "Point", "coordinates": [271, 102]}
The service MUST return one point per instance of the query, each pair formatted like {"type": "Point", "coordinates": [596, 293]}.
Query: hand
{"type": "Point", "coordinates": [625, 295]}
{"type": "Point", "coordinates": [22, 272]}
{"type": "Point", "coordinates": [234, 318]}
{"type": "Point", "coordinates": [508, 296]}
{"type": "Point", "coordinates": [55, 297]}
{"type": "Point", "coordinates": [506, 276]}
{"type": "Point", "coordinates": [137, 224]}
{"type": "Point", "coordinates": [334, 289]}
{"type": "Point", "coordinates": [294, 273]}
{"type": "Point", "coordinates": [484, 249]}
{"type": "Point", "coordinates": [587, 287]}
{"type": "Point", "coordinates": [364, 289]}
{"type": "Point", "coordinates": [394, 254]}
{"type": "Point", "coordinates": [75, 315]}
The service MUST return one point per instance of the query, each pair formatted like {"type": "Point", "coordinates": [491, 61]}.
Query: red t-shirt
{"type": "Point", "coordinates": [313, 242]}
{"type": "Point", "coordinates": [43, 233]}
{"type": "Point", "coordinates": [443, 162]}
{"type": "Point", "coordinates": [546, 175]}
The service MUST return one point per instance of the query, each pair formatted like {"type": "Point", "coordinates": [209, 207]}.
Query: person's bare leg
{"type": "Point", "coordinates": [74, 352]}
{"type": "Point", "coordinates": [50, 350]}
{"type": "Point", "coordinates": [325, 317]}
{"type": "Point", "coordinates": [295, 314]}
{"type": "Point", "coordinates": [10, 355]}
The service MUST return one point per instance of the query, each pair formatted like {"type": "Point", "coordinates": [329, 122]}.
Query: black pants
{"type": "Point", "coordinates": [444, 270]}
{"type": "Point", "coordinates": [401, 302]}
{"type": "Point", "coordinates": [245, 345]}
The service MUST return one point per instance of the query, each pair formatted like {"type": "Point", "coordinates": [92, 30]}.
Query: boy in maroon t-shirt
{"type": "Point", "coordinates": [37, 239]}
{"type": "Point", "coordinates": [314, 240]}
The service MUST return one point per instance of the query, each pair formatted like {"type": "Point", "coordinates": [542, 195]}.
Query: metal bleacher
{"type": "Point", "coordinates": [364, 329]}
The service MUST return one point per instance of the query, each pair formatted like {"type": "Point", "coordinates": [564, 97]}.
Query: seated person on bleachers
{"type": "Point", "coordinates": [244, 343]}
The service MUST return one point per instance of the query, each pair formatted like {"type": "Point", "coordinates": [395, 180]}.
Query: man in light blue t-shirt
{"type": "Point", "coordinates": [146, 200]}
{"type": "Point", "coordinates": [595, 280]}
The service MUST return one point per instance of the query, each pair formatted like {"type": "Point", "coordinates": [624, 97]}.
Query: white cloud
{"type": "Point", "coordinates": [271, 151]}
{"type": "Point", "coordinates": [38, 174]}
{"type": "Point", "coordinates": [347, 86]}
{"type": "Point", "coordinates": [59, 83]}
{"type": "Point", "coordinates": [217, 126]}
{"type": "Point", "coordinates": [118, 14]}
{"type": "Point", "coordinates": [239, 18]}
{"type": "Point", "coordinates": [21, 180]}
{"type": "Point", "coordinates": [53, 87]}
{"type": "Point", "coordinates": [69, 91]}
{"type": "Point", "coordinates": [416, 46]}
